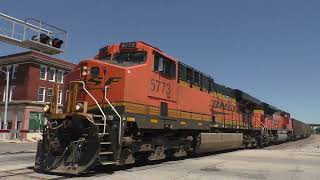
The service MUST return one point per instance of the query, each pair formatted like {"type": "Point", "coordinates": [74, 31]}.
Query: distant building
{"type": "Point", "coordinates": [32, 76]}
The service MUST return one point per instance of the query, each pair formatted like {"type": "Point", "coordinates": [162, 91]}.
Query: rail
{"type": "Point", "coordinates": [120, 118]}
{"type": "Point", "coordinates": [84, 88]}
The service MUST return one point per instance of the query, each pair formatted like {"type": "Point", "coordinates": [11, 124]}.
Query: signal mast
{"type": "Point", "coordinates": [30, 34]}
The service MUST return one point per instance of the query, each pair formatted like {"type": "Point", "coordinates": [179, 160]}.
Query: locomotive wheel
{"type": "Point", "coordinates": [126, 156]}
{"type": "Point", "coordinates": [157, 154]}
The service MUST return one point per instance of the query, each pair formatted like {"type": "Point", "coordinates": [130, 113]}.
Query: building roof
{"type": "Point", "coordinates": [35, 57]}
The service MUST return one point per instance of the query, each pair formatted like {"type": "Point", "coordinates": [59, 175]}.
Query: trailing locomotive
{"type": "Point", "coordinates": [133, 102]}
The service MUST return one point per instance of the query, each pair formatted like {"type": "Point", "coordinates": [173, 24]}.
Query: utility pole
{"type": "Point", "coordinates": [6, 99]}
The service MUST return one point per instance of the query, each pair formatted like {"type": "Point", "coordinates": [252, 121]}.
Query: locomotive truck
{"type": "Point", "coordinates": [133, 102]}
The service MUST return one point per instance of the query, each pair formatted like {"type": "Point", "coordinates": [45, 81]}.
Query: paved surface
{"type": "Point", "coordinates": [293, 160]}
{"type": "Point", "coordinates": [16, 155]}
{"type": "Point", "coordinates": [17, 147]}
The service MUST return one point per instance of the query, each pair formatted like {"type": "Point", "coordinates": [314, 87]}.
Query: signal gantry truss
{"type": "Point", "coordinates": [32, 34]}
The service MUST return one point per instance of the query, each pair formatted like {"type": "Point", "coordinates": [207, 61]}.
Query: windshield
{"type": "Point", "coordinates": [94, 72]}
{"type": "Point", "coordinates": [130, 57]}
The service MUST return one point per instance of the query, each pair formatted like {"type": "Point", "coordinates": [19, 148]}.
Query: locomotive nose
{"type": "Point", "coordinates": [69, 145]}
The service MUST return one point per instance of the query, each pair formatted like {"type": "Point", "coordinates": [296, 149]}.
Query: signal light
{"type": "Point", "coordinates": [44, 39]}
{"type": "Point", "coordinates": [57, 43]}
{"type": "Point", "coordinates": [35, 38]}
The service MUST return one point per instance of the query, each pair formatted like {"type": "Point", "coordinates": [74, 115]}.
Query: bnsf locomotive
{"type": "Point", "coordinates": [133, 102]}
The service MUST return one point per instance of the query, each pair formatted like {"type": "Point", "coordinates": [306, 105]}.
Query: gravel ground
{"type": "Point", "coordinates": [311, 144]}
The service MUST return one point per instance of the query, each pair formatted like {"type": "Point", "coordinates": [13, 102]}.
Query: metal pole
{"type": "Point", "coordinates": [6, 102]}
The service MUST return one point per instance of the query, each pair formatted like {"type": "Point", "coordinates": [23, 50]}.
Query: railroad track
{"type": "Point", "coordinates": [28, 173]}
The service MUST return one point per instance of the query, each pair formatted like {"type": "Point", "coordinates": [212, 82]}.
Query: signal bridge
{"type": "Point", "coordinates": [32, 34]}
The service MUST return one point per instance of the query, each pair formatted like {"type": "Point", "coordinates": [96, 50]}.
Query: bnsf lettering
{"type": "Point", "coordinates": [223, 106]}
{"type": "Point", "coordinates": [160, 87]}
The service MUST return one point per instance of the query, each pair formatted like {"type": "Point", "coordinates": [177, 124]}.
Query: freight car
{"type": "Point", "coordinates": [133, 102]}
{"type": "Point", "coordinates": [300, 129]}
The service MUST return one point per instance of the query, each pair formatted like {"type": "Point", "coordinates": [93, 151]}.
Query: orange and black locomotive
{"type": "Point", "coordinates": [133, 102]}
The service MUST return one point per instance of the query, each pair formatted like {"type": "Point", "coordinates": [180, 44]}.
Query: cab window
{"type": "Point", "coordinates": [130, 58]}
{"type": "Point", "coordinates": [196, 77]}
{"type": "Point", "coordinates": [182, 72]}
{"type": "Point", "coordinates": [106, 57]}
{"type": "Point", "coordinates": [193, 76]}
{"type": "Point", "coordinates": [94, 72]}
{"type": "Point", "coordinates": [189, 75]}
{"type": "Point", "coordinates": [165, 66]}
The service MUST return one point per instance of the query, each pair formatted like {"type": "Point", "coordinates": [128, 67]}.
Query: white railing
{"type": "Point", "coordinates": [20, 22]}
{"type": "Point", "coordinates": [120, 118]}
{"type": "Point", "coordinates": [264, 127]}
{"type": "Point", "coordinates": [27, 34]}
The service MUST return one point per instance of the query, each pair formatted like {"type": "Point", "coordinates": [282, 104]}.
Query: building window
{"type": "Point", "coordinates": [52, 74]}
{"type": "Point", "coordinates": [6, 68]}
{"type": "Point", "coordinates": [41, 94]}
{"type": "Point", "coordinates": [43, 72]}
{"type": "Point", "coordinates": [49, 94]}
{"type": "Point", "coordinates": [60, 97]}
{"type": "Point", "coordinates": [14, 71]}
{"type": "Point", "coordinates": [60, 76]}
{"type": "Point", "coordinates": [11, 92]}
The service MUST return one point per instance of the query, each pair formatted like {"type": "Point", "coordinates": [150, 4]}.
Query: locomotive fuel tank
{"type": "Point", "coordinates": [210, 142]}
{"type": "Point", "coordinates": [282, 137]}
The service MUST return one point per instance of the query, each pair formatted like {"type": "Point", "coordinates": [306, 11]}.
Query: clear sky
{"type": "Point", "coordinates": [268, 48]}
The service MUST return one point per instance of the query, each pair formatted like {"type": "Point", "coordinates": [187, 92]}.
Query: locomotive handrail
{"type": "Point", "coordinates": [84, 88]}
{"type": "Point", "coordinates": [264, 127]}
{"type": "Point", "coordinates": [120, 118]}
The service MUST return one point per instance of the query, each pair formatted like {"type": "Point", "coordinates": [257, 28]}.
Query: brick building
{"type": "Point", "coordinates": [32, 76]}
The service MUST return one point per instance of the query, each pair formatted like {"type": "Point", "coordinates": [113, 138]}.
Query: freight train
{"type": "Point", "coordinates": [133, 102]}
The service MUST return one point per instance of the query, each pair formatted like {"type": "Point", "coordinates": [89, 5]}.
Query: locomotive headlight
{"type": "Point", "coordinates": [79, 107]}
{"type": "Point", "coordinates": [84, 70]}
{"type": "Point", "coordinates": [84, 73]}
{"type": "Point", "coordinates": [46, 108]}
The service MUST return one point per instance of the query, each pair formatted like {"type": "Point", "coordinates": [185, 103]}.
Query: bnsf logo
{"type": "Point", "coordinates": [223, 106]}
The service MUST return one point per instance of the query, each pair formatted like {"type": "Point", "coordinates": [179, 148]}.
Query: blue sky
{"type": "Point", "coordinates": [268, 48]}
